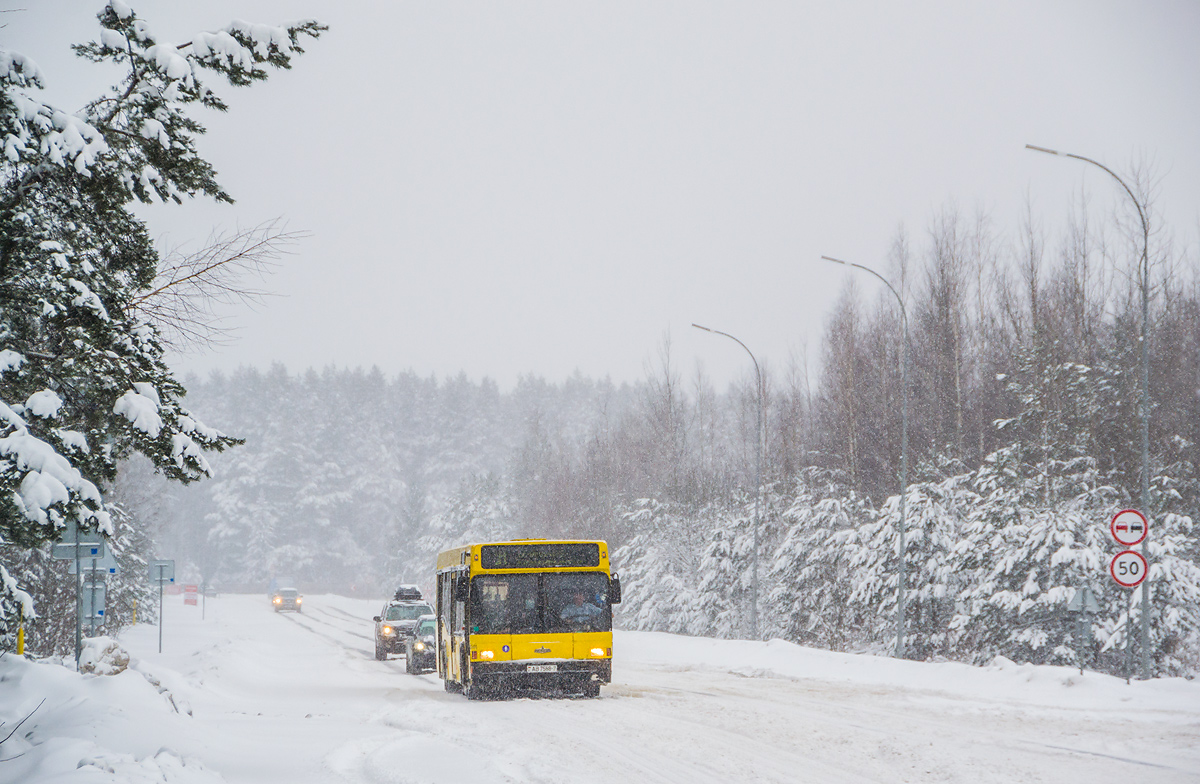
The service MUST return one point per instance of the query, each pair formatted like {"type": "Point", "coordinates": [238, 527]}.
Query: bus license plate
{"type": "Point", "coordinates": [541, 668]}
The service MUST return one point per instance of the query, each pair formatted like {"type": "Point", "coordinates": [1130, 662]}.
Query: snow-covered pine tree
{"type": "Point", "coordinates": [1036, 535]}
{"type": "Point", "coordinates": [483, 510]}
{"type": "Point", "coordinates": [932, 529]}
{"type": "Point", "coordinates": [811, 567]}
{"type": "Point", "coordinates": [659, 567]}
{"type": "Point", "coordinates": [83, 381]}
{"type": "Point", "coordinates": [15, 605]}
{"type": "Point", "coordinates": [129, 592]}
{"type": "Point", "coordinates": [725, 570]}
{"type": "Point", "coordinates": [1174, 548]}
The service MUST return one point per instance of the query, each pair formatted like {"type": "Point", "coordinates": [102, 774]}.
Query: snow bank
{"type": "Point", "coordinates": [67, 726]}
{"type": "Point", "coordinates": [1002, 681]}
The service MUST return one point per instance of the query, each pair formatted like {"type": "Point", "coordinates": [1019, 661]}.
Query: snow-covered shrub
{"type": "Point", "coordinates": [103, 656]}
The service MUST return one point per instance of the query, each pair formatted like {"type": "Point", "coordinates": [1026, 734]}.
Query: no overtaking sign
{"type": "Point", "coordinates": [1128, 527]}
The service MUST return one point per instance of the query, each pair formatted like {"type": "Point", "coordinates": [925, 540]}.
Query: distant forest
{"type": "Point", "coordinates": [1023, 441]}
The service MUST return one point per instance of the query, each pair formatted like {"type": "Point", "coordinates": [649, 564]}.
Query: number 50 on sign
{"type": "Point", "coordinates": [1128, 568]}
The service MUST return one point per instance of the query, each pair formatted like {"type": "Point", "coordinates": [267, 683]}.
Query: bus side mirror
{"type": "Point", "coordinates": [461, 591]}
{"type": "Point", "coordinates": [614, 590]}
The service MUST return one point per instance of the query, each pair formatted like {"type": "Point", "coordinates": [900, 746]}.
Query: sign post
{"type": "Point", "coordinates": [1129, 568]}
{"type": "Point", "coordinates": [1083, 602]}
{"type": "Point", "coordinates": [161, 572]}
{"type": "Point", "coordinates": [72, 546]}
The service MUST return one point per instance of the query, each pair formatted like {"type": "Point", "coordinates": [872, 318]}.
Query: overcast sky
{"type": "Point", "coordinates": [539, 187]}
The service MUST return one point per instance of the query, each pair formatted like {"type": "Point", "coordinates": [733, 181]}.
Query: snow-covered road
{"type": "Point", "coordinates": [300, 698]}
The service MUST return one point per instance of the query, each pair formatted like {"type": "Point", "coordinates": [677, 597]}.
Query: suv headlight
{"type": "Point", "coordinates": [418, 646]}
{"type": "Point", "coordinates": [387, 631]}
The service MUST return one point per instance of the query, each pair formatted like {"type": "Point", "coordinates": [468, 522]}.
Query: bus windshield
{"type": "Point", "coordinates": [540, 603]}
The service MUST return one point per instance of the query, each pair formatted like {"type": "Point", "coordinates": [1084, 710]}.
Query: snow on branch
{"type": "Point", "coordinates": [46, 487]}
{"type": "Point", "coordinates": [34, 130]}
{"type": "Point", "coordinates": [9, 587]}
{"type": "Point", "coordinates": [19, 70]}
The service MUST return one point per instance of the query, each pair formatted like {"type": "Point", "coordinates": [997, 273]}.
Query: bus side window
{"type": "Point", "coordinates": [460, 608]}
{"type": "Point", "coordinates": [443, 604]}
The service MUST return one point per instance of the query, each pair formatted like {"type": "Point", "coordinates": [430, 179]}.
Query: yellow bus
{"type": "Point", "coordinates": [527, 614]}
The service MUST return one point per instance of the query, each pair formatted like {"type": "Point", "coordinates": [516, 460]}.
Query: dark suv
{"type": "Point", "coordinates": [420, 646]}
{"type": "Point", "coordinates": [394, 623]}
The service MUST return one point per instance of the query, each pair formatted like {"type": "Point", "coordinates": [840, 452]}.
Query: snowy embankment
{"type": "Point", "coordinates": [59, 725]}
{"type": "Point", "coordinates": [248, 695]}
{"type": "Point", "coordinates": [1003, 681]}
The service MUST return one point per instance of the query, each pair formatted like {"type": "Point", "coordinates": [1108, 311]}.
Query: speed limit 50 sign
{"type": "Point", "coordinates": [1128, 568]}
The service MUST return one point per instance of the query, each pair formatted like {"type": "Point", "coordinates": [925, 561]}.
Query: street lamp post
{"type": "Point", "coordinates": [900, 606]}
{"type": "Point", "coordinates": [757, 483]}
{"type": "Point", "coordinates": [1144, 340]}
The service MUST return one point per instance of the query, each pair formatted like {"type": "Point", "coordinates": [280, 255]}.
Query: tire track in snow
{"type": "Point", "coordinates": [336, 640]}
{"type": "Point", "coordinates": [347, 615]}
{"type": "Point", "coordinates": [353, 632]}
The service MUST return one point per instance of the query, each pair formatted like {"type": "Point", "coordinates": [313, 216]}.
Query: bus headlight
{"type": "Point", "coordinates": [487, 654]}
{"type": "Point", "coordinates": [597, 651]}
{"type": "Point", "coordinates": [277, 600]}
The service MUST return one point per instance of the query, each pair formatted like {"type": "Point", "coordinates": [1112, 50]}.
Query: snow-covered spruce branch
{"type": "Point", "coordinates": [190, 288]}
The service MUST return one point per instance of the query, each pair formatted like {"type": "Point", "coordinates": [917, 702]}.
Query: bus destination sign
{"type": "Point", "coordinates": [540, 556]}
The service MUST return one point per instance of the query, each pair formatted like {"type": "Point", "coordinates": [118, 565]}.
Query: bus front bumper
{"type": "Point", "coordinates": [541, 674]}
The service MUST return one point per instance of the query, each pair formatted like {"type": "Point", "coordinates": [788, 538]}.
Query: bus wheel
{"type": "Point", "coordinates": [451, 686]}
{"type": "Point", "coordinates": [591, 689]}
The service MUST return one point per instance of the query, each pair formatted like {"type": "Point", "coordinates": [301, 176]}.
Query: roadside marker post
{"type": "Point", "coordinates": [161, 572]}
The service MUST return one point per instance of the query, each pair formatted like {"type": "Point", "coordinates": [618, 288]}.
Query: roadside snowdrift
{"type": "Point", "coordinates": [107, 725]}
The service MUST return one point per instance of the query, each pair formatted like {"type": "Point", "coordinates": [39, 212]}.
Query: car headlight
{"type": "Point", "coordinates": [418, 646]}
{"type": "Point", "coordinates": [277, 600]}
{"type": "Point", "coordinates": [299, 599]}
{"type": "Point", "coordinates": [388, 631]}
